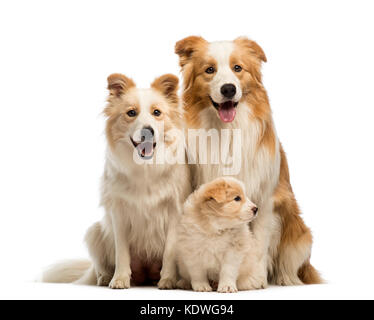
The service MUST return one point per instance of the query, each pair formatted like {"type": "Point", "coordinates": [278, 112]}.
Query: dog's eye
{"type": "Point", "coordinates": [156, 113]}
{"type": "Point", "coordinates": [237, 198]}
{"type": "Point", "coordinates": [131, 113]}
{"type": "Point", "coordinates": [237, 68]}
{"type": "Point", "coordinates": [210, 70]}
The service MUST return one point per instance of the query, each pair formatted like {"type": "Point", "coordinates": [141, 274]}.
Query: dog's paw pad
{"type": "Point", "coordinates": [184, 285]}
{"type": "Point", "coordinates": [227, 288]}
{"type": "Point", "coordinates": [167, 283]}
{"type": "Point", "coordinates": [103, 280]}
{"type": "Point", "coordinates": [202, 287]}
{"type": "Point", "coordinates": [123, 283]}
{"type": "Point", "coordinates": [252, 284]}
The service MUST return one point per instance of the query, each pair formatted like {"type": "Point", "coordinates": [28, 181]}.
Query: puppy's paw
{"type": "Point", "coordinates": [184, 285]}
{"type": "Point", "coordinates": [167, 283]}
{"type": "Point", "coordinates": [120, 283]}
{"type": "Point", "coordinates": [103, 280]}
{"type": "Point", "coordinates": [201, 287]}
{"type": "Point", "coordinates": [227, 288]}
{"type": "Point", "coordinates": [252, 283]}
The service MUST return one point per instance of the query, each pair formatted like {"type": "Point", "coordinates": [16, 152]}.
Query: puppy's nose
{"type": "Point", "coordinates": [228, 90]}
{"type": "Point", "coordinates": [147, 133]}
{"type": "Point", "coordinates": [254, 210]}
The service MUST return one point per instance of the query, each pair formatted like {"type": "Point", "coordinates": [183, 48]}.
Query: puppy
{"type": "Point", "coordinates": [142, 193]}
{"type": "Point", "coordinates": [214, 241]}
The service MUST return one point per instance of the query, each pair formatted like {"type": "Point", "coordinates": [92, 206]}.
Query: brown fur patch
{"type": "Point", "coordinates": [168, 86]}
{"type": "Point", "coordinates": [118, 84]}
{"type": "Point", "coordinates": [309, 275]}
{"type": "Point", "coordinates": [252, 46]}
{"type": "Point", "coordinates": [294, 231]}
{"type": "Point", "coordinates": [248, 54]}
{"type": "Point", "coordinates": [187, 48]}
{"type": "Point", "coordinates": [218, 196]}
{"type": "Point", "coordinates": [194, 60]}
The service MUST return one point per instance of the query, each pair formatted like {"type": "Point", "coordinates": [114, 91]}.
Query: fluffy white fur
{"type": "Point", "coordinates": [217, 248]}
{"type": "Point", "coordinates": [142, 202]}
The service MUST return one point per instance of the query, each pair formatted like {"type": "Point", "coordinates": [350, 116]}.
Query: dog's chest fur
{"type": "Point", "coordinates": [210, 249]}
{"type": "Point", "coordinates": [146, 200]}
{"type": "Point", "coordinates": [258, 169]}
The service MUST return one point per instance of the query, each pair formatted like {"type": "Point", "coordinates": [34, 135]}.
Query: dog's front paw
{"type": "Point", "coordinates": [201, 287]}
{"type": "Point", "coordinates": [227, 288]}
{"type": "Point", "coordinates": [120, 283]}
{"type": "Point", "coordinates": [252, 283]}
{"type": "Point", "coordinates": [103, 280]}
{"type": "Point", "coordinates": [184, 284]}
{"type": "Point", "coordinates": [167, 283]}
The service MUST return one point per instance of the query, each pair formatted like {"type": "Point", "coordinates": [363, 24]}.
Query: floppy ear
{"type": "Point", "coordinates": [216, 192]}
{"type": "Point", "coordinates": [118, 84]}
{"type": "Point", "coordinates": [168, 86]}
{"type": "Point", "coordinates": [186, 47]}
{"type": "Point", "coordinates": [253, 47]}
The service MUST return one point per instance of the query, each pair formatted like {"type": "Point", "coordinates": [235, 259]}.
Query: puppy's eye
{"type": "Point", "coordinates": [210, 70]}
{"type": "Point", "coordinates": [156, 113]}
{"type": "Point", "coordinates": [238, 198]}
{"type": "Point", "coordinates": [131, 113]}
{"type": "Point", "coordinates": [238, 68]}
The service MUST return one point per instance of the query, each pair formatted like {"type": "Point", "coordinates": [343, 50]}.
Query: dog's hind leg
{"type": "Point", "coordinates": [101, 249]}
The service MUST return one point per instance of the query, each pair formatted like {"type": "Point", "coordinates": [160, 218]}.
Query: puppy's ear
{"type": "Point", "coordinates": [253, 47]}
{"type": "Point", "coordinates": [186, 47]}
{"type": "Point", "coordinates": [216, 192]}
{"type": "Point", "coordinates": [118, 84]}
{"type": "Point", "coordinates": [168, 86]}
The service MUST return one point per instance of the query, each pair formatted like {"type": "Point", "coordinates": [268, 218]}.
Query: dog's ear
{"type": "Point", "coordinates": [216, 191]}
{"type": "Point", "coordinates": [168, 86]}
{"type": "Point", "coordinates": [118, 84]}
{"type": "Point", "coordinates": [252, 46]}
{"type": "Point", "coordinates": [186, 47]}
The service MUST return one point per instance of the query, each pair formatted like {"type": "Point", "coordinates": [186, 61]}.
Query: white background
{"type": "Point", "coordinates": [55, 57]}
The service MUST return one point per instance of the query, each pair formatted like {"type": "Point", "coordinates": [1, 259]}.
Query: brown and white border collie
{"type": "Point", "coordinates": [223, 90]}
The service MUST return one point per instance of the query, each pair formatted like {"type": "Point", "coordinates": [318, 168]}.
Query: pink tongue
{"type": "Point", "coordinates": [227, 112]}
{"type": "Point", "coordinates": [146, 148]}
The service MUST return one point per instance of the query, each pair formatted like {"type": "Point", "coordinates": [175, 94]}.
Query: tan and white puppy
{"type": "Point", "coordinates": [223, 90]}
{"type": "Point", "coordinates": [214, 241]}
{"type": "Point", "coordinates": [142, 194]}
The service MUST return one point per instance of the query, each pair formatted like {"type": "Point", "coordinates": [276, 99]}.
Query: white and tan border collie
{"type": "Point", "coordinates": [214, 243]}
{"type": "Point", "coordinates": [142, 199]}
{"type": "Point", "coordinates": [223, 90]}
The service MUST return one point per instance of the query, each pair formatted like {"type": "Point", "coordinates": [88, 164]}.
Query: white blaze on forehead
{"type": "Point", "coordinates": [146, 98]}
{"type": "Point", "coordinates": [221, 51]}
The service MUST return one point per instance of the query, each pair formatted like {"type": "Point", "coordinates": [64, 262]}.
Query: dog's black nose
{"type": "Point", "coordinates": [147, 133]}
{"type": "Point", "coordinates": [254, 210]}
{"type": "Point", "coordinates": [228, 90]}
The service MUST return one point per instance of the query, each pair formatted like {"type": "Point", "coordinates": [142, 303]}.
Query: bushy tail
{"type": "Point", "coordinates": [309, 275]}
{"type": "Point", "coordinates": [67, 271]}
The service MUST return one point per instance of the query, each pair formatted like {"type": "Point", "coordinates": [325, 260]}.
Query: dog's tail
{"type": "Point", "coordinates": [309, 275]}
{"type": "Point", "coordinates": [69, 271]}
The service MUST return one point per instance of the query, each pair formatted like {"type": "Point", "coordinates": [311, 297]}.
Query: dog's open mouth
{"type": "Point", "coordinates": [226, 110]}
{"type": "Point", "coordinates": [145, 148]}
